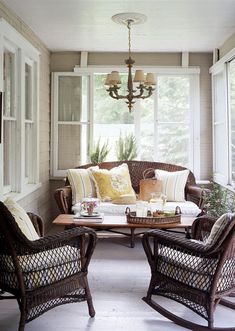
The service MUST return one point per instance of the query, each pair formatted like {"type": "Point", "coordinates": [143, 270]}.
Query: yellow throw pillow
{"type": "Point", "coordinates": [111, 184]}
{"type": "Point", "coordinates": [82, 184]}
{"type": "Point", "coordinates": [22, 219]}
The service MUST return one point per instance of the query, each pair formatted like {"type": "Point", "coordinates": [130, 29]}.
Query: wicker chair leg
{"type": "Point", "coordinates": [151, 287]}
{"type": "Point", "coordinates": [91, 308]}
{"type": "Point", "coordinates": [22, 305]}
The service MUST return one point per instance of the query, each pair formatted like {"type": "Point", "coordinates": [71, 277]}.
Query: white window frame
{"type": "Point", "coordinates": [25, 53]}
{"type": "Point", "coordinates": [54, 167]}
{"type": "Point", "coordinates": [224, 177]}
{"type": "Point", "coordinates": [192, 72]}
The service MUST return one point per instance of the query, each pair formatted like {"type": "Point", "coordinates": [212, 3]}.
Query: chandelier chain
{"type": "Point", "coordinates": [129, 37]}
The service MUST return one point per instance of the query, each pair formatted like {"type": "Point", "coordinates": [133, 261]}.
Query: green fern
{"type": "Point", "coordinates": [99, 152]}
{"type": "Point", "coordinates": [126, 148]}
{"type": "Point", "coordinates": [219, 200]}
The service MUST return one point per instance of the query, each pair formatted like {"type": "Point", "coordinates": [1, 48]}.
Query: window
{"type": "Point", "coordinates": [19, 81]}
{"type": "Point", "coordinates": [70, 122]}
{"type": "Point", "coordinates": [231, 70]}
{"type": "Point", "coordinates": [9, 120]}
{"type": "Point", "coordinates": [223, 89]}
{"type": "Point", "coordinates": [163, 124]}
{"type": "Point", "coordinates": [166, 125]}
{"type": "Point", "coordinates": [111, 118]}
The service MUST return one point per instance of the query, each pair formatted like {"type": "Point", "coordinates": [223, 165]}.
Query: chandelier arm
{"type": "Point", "coordinates": [113, 93]}
{"type": "Point", "coordinates": [150, 92]}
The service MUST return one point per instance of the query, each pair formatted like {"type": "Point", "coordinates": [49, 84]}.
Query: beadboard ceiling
{"type": "Point", "coordinates": [172, 25]}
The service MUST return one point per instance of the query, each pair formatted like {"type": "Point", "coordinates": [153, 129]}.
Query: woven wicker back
{"type": "Point", "coordinates": [136, 169]}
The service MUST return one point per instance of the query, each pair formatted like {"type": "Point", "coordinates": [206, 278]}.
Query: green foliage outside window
{"type": "Point", "coordinates": [219, 200]}
{"type": "Point", "coordinates": [126, 148]}
{"type": "Point", "coordinates": [99, 152]}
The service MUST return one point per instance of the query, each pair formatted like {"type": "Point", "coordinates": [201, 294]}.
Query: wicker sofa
{"type": "Point", "coordinates": [194, 193]}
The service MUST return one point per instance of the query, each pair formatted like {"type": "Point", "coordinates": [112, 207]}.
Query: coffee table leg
{"type": "Point", "coordinates": [132, 237]}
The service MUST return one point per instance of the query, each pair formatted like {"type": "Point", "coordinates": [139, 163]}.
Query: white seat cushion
{"type": "Point", "coordinates": [42, 268]}
{"type": "Point", "coordinates": [188, 208]}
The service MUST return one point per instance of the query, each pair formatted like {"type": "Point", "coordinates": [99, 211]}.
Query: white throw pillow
{"type": "Point", "coordinates": [173, 183]}
{"type": "Point", "coordinates": [22, 219]}
{"type": "Point", "coordinates": [218, 228]}
{"type": "Point", "coordinates": [82, 184]}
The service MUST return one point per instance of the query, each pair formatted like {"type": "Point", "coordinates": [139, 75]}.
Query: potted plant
{"type": "Point", "coordinates": [219, 200]}
{"type": "Point", "coordinates": [99, 152]}
{"type": "Point", "coordinates": [126, 147]}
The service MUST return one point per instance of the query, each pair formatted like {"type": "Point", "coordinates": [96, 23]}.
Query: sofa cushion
{"type": "Point", "coordinates": [173, 183]}
{"type": "Point", "coordinates": [82, 184]}
{"type": "Point", "coordinates": [22, 219]}
{"type": "Point", "coordinates": [188, 208]}
{"type": "Point", "coordinates": [111, 184]}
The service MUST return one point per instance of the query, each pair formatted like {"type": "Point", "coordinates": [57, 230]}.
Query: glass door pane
{"type": "Point", "coordinates": [9, 83]}
{"type": "Point", "coordinates": [72, 98]}
{"type": "Point", "coordinates": [232, 112]}
{"type": "Point", "coordinates": [111, 116]}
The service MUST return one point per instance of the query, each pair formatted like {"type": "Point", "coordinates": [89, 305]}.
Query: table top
{"type": "Point", "coordinates": [118, 221]}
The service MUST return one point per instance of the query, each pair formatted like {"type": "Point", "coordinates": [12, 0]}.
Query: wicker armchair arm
{"type": "Point", "coordinates": [74, 237]}
{"type": "Point", "coordinates": [175, 241]}
{"type": "Point", "coordinates": [63, 197]}
{"type": "Point", "coordinates": [37, 223]}
{"type": "Point", "coordinates": [196, 194]}
{"type": "Point", "coordinates": [202, 225]}
{"type": "Point", "coordinates": [172, 241]}
{"type": "Point", "coordinates": [59, 239]}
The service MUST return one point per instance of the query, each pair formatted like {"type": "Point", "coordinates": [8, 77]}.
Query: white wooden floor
{"type": "Point", "coordinates": [118, 278]}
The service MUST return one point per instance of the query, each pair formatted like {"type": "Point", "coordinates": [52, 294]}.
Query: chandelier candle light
{"type": "Point", "coordinates": [145, 87]}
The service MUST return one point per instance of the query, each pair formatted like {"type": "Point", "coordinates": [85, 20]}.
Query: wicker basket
{"type": "Point", "coordinates": [132, 218]}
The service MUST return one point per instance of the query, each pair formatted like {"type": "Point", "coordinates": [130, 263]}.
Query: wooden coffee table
{"type": "Point", "coordinates": [113, 223]}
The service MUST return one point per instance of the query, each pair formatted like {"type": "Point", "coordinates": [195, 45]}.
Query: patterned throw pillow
{"type": "Point", "coordinates": [82, 184]}
{"type": "Point", "coordinates": [218, 228]}
{"type": "Point", "coordinates": [22, 219]}
{"type": "Point", "coordinates": [173, 183]}
{"type": "Point", "coordinates": [111, 184]}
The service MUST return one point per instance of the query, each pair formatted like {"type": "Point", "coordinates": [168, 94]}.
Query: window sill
{"type": "Point", "coordinates": [28, 189]}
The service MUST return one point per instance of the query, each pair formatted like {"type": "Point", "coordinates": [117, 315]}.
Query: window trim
{"type": "Point", "coordinates": [54, 171]}
{"type": "Point", "coordinates": [25, 51]}
{"type": "Point", "coordinates": [192, 72]}
{"type": "Point", "coordinates": [224, 179]}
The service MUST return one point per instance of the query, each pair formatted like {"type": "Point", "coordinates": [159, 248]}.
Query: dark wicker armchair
{"type": "Point", "coordinates": [47, 272]}
{"type": "Point", "coordinates": [196, 275]}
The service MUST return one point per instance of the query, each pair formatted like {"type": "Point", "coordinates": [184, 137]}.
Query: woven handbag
{"type": "Point", "coordinates": [149, 185]}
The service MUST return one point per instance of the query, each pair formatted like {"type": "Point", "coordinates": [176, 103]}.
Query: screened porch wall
{"type": "Point", "coordinates": [38, 201]}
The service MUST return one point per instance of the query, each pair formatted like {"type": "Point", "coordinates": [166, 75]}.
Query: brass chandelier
{"type": "Point", "coordinates": [146, 83]}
